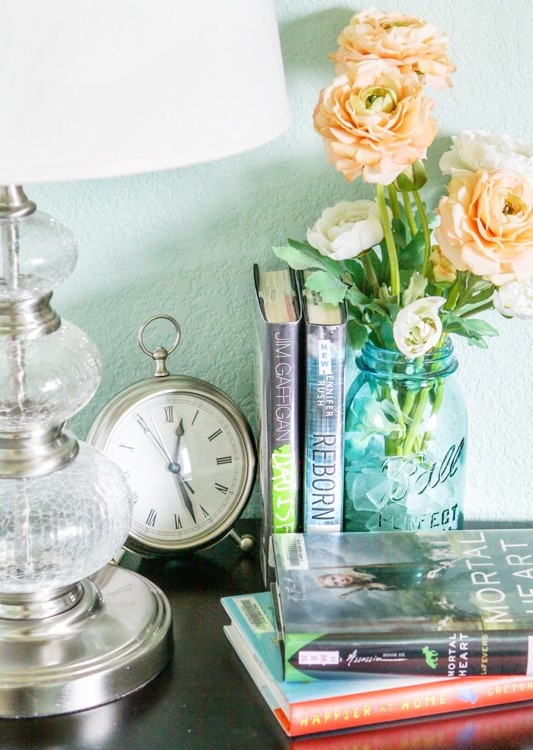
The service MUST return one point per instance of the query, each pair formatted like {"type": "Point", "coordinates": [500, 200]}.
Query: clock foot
{"type": "Point", "coordinates": [245, 542]}
{"type": "Point", "coordinates": [114, 640]}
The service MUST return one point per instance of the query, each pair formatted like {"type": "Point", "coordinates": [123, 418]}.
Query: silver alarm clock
{"type": "Point", "coordinates": [187, 451]}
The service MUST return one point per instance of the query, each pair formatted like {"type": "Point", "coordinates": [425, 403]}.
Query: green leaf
{"type": "Point", "coordinates": [386, 331]}
{"type": "Point", "coordinates": [412, 255]}
{"type": "Point", "coordinates": [377, 309]}
{"type": "Point", "coordinates": [399, 232]}
{"type": "Point", "coordinates": [356, 334]}
{"type": "Point", "coordinates": [473, 330]}
{"type": "Point", "coordinates": [356, 271]}
{"type": "Point", "coordinates": [301, 256]}
{"type": "Point", "coordinates": [356, 297]}
{"type": "Point", "coordinates": [330, 289]}
{"type": "Point", "coordinates": [385, 296]}
{"type": "Point", "coordinates": [298, 259]}
{"type": "Point", "coordinates": [416, 288]}
{"type": "Point", "coordinates": [334, 267]}
{"type": "Point", "coordinates": [481, 327]}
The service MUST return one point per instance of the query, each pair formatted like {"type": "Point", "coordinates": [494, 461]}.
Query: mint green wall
{"type": "Point", "coordinates": [183, 242]}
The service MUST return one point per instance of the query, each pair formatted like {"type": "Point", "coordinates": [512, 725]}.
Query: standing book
{"type": "Point", "coordinates": [278, 386]}
{"type": "Point", "coordinates": [325, 355]}
{"type": "Point", "coordinates": [355, 701]}
{"type": "Point", "coordinates": [453, 603]}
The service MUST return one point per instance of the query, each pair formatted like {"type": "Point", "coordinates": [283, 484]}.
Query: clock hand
{"type": "Point", "coordinates": [185, 495]}
{"type": "Point", "coordinates": [179, 434]}
{"type": "Point", "coordinates": [161, 441]}
{"type": "Point", "coordinates": [175, 468]}
{"type": "Point", "coordinates": [154, 438]}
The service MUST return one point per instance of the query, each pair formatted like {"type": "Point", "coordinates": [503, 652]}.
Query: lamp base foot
{"type": "Point", "coordinates": [114, 640]}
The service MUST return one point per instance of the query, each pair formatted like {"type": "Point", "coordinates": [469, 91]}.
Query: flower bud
{"type": "Point", "coordinates": [412, 178]}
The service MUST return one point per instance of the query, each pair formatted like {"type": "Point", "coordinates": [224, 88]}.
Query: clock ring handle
{"type": "Point", "coordinates": [160, 353]}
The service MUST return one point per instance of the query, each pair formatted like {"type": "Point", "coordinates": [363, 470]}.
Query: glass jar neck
{"type": "Point", "coordinates": [384, 364]}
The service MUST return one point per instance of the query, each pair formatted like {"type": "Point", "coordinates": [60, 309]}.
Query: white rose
{"type": "Point", "coordinates": [477, 150]}
{"type": "Point", "coordinates": [515, 299]}
{"type": "Point", "coordinates": [418, 328]}
{"type": "Point", "coordinates": [347, 229]}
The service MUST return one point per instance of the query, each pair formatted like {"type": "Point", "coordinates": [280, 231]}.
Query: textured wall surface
{"type": "Point", "coordinates": [183, 242]}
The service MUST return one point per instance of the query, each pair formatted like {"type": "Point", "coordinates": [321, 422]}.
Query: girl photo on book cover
{"type": "Point", "coordinates": [412, 581]}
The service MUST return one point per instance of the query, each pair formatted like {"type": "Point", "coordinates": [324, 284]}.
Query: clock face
{"type": "Point", "coordinates": [189, 464]}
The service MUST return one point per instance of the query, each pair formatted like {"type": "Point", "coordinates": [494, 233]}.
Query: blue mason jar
{"type": "Point", "coordinates": [405, 442]}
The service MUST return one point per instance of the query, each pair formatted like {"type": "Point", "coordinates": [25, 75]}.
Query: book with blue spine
{"type": "Point", "coordinates": [325, 357]}
{"type": "Point", "coordinates": [358, 700]}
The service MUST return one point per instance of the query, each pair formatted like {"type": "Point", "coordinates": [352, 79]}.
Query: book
{"type": "Point", "coordinates": [325, 355]}
{"type": "Point", "coordinates": [506, 727]}
{"type": "Point", "coordinates": [453, 603]}
{"type": "Point", "coordinates": [278, 388]}
{"type": "Point", "coordinates": [356, 701]}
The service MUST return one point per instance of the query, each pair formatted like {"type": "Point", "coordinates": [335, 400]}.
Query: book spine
{"type": "Point", "coordinates": [324, 427]}
{"type": "Point", "coordinates": [278, 386]}
{"type": "Point", "coordinates": [448, 654]}
{"type": "Point", "coordinates": [407, 703]}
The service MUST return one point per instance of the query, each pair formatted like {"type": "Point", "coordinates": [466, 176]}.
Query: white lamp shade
{"type": "Point", "coordinates": [116, 87]}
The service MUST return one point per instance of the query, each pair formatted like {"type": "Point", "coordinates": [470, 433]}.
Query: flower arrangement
{"type": "Point", "coordinates": [410, 277]}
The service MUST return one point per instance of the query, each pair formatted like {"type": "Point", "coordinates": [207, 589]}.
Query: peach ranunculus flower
{"type": "Point", "coordinates": [402, 41]}
{"type": "Point", "coordinates": [375, 122]}
{"type": "Point", "coordinates": [486, 225]}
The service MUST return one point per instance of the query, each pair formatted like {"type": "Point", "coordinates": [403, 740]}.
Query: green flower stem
{"type": "Point", "coordinates": [439, 395]}
{"type": "Point", "coordinates": [394, 202]}
{"type": "Point", "coordinates": [370, 274]}
{"type": "Point", "coordinates": [453, 295]}
{"type": "Point", "coordinates": [408, 402]}
{"type": "Point", "coordinates": [409, 213]}
{"type": "Point", "coordinates": [412, 432]}
{"type": "Point", "coordinates": [389, 242]}
{"type": "Point", "coordinates": [425, 228]}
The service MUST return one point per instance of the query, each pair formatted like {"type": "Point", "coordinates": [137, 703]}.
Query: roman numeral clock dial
{"type": "Point", "coordinates": [188, 455]}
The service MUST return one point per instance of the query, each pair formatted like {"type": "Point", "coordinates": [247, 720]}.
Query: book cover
{"type": "Point", "coordinates": [355, 701]}
{"type": "Point", "coordinates": [453, 603]}
{"type": "Point", "coordinates": [325, 355]}
{"type": "Point", "coordinates": [278, 389]}
{"type": "Point", "coordinates": [506, 727]}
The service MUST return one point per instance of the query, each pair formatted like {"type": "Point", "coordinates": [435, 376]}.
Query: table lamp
{"type": "Point", "coordinates": [92, 90]}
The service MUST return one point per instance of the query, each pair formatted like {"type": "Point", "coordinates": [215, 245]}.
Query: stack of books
{"type": "Point", "coordinates": [362, 629]}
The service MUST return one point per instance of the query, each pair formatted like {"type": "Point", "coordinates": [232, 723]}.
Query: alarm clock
{"type": "Point", "coordinates": [188, 454]}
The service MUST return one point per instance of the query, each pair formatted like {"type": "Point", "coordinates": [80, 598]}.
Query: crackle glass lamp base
{"type": "Point", "coordinates": [75, 631]}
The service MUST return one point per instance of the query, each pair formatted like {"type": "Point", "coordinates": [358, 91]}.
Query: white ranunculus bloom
{"type": "Point", "coordinates": [418, 327]}
{"type": "Point", "coordinates": [515, 299]}
{"type": "Point", "coordinates": [346, 229]}
{"type": "Point", "coordinates": [477, 150]}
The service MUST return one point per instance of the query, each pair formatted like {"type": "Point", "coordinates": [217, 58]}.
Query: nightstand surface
{"type": "Point", "coordinates": [204, 699]}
